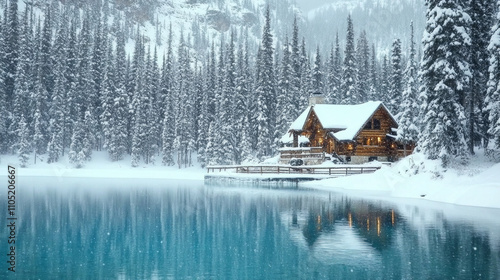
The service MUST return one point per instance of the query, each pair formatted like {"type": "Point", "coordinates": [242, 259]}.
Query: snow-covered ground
{"type": "Point", "coordinates": [477, 184]}
{"type": "Point", "coordinates": [102, 167]}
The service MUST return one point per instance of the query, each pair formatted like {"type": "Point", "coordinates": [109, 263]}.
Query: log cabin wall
{"type": "Point", "coordinates": [373, 140]}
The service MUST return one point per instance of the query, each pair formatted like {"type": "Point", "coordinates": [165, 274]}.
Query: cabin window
{"type": "Point", "coordinates": [370, 159]}
{"type": "Point", "coordinates": [373, 124]}
{"type": "Point", "coordinates": [372, 141]}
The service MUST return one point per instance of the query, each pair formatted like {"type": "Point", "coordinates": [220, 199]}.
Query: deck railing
{"type": "Point", "coordinates": [286, 169]}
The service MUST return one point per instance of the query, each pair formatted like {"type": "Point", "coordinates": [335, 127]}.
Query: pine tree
{"type": "Point", "coordinates": [408, 116]}
{"type": "Point", "coordinates": [40, 120]}
{"type": "Point", "coordinates": [265, 93]}
{"type": "Point", "coordinates": [284, 94]}
{"type": "Point", "coordinates": [46, 61]}
{"type": "Point", "coordinates": [363, 65]}
{"type": "Point", "coordinates": [55, 130]}
{"type": "Point", "coordinates": [373, 77]}
{"type": "Point", "coordinates": [240, 107]}
{"type": "Point", "coordinates": [492, 100]}
{"type": "Point", "coordinates": [383, 91]}
{"type": "Point", "coordinates": [481, 13]}
{"type": "Point", "coordinates": [11, 45]}
{"type": "Point", "coordinates": [168, 130]}
{"type": "Point", "coordinates": [11, 58]}
{"type": "Point", "coordinates": [445, 74]}
{"type": "Point", "coordinates": [24, 81]}
{"type": "Point", "coordinates": [76, 150]}
{"type": "Point", "coordinates": [226, 112]}
{"type": "Point", "coordinates": [203, 120]}
{"type": "Point", "coordinates": [141, 108]}
{"type": "Point", "coordinates": [23, 153]}
{"type": "Point", "coordinates": [349, 94]}
{"type": "Point", "coordinates": [334, 74]}
{"type": "Point", "coordinates": [317, 73]}
{"type": "Point", "coordinates": [72, 93]}
{"type": "Point", "coordinates": [296, 76]}
{"type": "Point", "coordinates": [396, 78]}
{"type": "Point", "coordinates": [98, 70]}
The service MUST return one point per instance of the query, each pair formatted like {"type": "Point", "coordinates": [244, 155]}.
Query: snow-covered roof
{"type": "Point", "coordinates": [349, 119]}
{"type": "Point", "coordinates": [288, 139]}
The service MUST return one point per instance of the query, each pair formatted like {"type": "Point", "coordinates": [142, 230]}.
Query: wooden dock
{"type": "Point", "coordinates": [287, 169]}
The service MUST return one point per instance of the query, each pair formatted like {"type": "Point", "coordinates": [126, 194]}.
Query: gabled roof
{"type": "Point", "coordinates": [349, 119]}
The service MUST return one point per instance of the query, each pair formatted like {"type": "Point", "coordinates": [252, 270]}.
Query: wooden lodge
{"type": "Point", "coordinates": [348, 133]}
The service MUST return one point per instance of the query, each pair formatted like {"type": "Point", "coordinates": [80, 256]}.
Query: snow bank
{"type": "Point", "coordinates": [477, 184]}
{"type": "Point", "coordinates": [102, 167]}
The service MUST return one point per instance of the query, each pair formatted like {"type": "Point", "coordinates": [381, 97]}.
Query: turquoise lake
{"type": "Point", "coordinates": [136, 229]}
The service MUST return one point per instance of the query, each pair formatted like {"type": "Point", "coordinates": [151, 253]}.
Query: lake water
{"type": "Point", "coordinates": [136, 229]}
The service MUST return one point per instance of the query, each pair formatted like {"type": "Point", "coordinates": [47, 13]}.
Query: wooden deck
{"type": "Point", "coordinates": [286, 169]}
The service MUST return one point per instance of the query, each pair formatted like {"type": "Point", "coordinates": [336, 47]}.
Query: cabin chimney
{"type": "Point", "coordinates": [316, 98]}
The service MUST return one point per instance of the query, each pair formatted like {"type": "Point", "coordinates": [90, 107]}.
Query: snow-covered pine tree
{"type": "Point", "coordinates": [168, 130]}
{"type": "Point", "coordinates": [23, 152]}
{"type": "Point", "coordinates": [383, 91]}
{"type": "Point", "coordinates": [363, 65]}
{"type": "Point", "coordinates": [492, 100]}
{"type": "Point", "coordinates": [183, 91]}
{"type": "Point", "coordinates": [373, 77]}
{"type": "Point", "coordinates": [40, 120]}
{"type": "Point", "coordinates": [317, 73]}
{"type": "Point", "coordinates": [141, 109]}
{"type": "Point", "coordinates": [330, 77]}
{"type": "Point", "coordinates": [227, 100]}
{"type": "Point", "coordinates": [58, 105]}
{"type": "Point", "coordinates": [98, 68]}
{"type": "Point", "coordinates": [249, 140]}
{"type": "Point", "coordinates": [445, 76]}
{"type": "Point", "coordinates": [349, 94]}
{"type": "Point", "coordinates": [132, 80]}
{"type": "Point", "coordinates": [11, 45]}
{"type": "Point", "coordinates": [154, 117]}
{"type": "Point", "coordinates": [265, 93]}
{"type": "Point", "coordinates": [396, 78]}
{"type": "Point", "coordinates": [408, 117]}
{"type": "Point", "coordinates": [296, 76]}
{"type": "Point", "coordinates": [108, 96]}
{"type": "Point", "coordinates": [56, 113]}
{"type": "Point", "coordinates": [284, 94]}
{"type": "Point", "coordinates": [76, 153]}
{"type": "Point", "coordinates": [482, 15]}
{"type": "Point", "coordinates": [46, 60]}
{"type": "Point", "coordinates": [11, 59]}
{"type": "Point", "coordinates": [334, 73]}
{"type": "Point", "coordinates": [240, 110]}
{"type": "Point", "coordinates": [117, 146]}
{"type": "Point", "coordinates": [306, 76]}
{"type": "Point", "coordinates": [72, 94]}
{"type": "Point", "coordinates": [202, 119]}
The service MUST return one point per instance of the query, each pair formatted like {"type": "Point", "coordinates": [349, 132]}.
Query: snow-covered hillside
{"type": "Point", "coordinates": [383, 20]}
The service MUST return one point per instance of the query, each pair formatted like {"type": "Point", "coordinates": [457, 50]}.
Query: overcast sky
{"type": "Point", "coordinates": [307, 5]}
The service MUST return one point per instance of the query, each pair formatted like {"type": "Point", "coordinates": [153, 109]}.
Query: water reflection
{"type": "Point", "coordinates": [130, 230]}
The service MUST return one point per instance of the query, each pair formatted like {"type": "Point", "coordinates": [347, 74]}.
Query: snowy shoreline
{"type": "Point", "coordinates": [477, 184]}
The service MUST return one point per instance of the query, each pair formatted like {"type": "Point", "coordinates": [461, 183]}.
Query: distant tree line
{"type": "Point", "coordinates": [68, 86]}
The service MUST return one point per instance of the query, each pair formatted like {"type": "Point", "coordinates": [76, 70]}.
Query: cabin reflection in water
{"type": "Point", "coordinates": [343, 227]}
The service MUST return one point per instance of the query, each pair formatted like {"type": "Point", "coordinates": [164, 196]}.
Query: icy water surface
{"type": "Point", "coordinates": [136, 229]}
